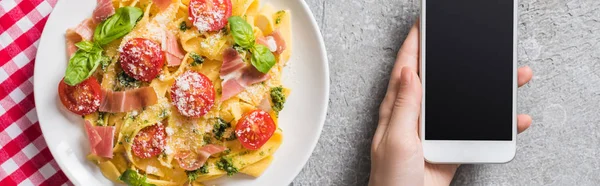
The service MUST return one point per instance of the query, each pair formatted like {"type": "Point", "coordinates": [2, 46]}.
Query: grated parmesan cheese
{"type": "Point", "coordinates": [271, 43]}
{"type": "Point", "coordinates": [168, 150]}
{"type": "Point", "coordinates": [151, 169]}
{"type": "Point", "coordinates": [169, 131]}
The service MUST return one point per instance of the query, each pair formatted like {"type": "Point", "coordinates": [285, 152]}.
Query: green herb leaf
{"type": "Point", "coordinates": [207, 138]}
{"type": "Point", "coordinates": [117, 25]}
{"type": "Point", "coordinates": [183, 26]}
{"type": "Point", "coordinates": [163, 114]}
{"type": "Point", "coordinates": [241, 31]}
{"type": "Point", "coordinates": [225, 31]}
{"type": "Point", "coordinates": [105, 63]}
{"type": "Point", "coordinates": [279, 14]}
{"type": "Point", "coordinates": [204, 169]}
{"type": "Point", "coordinates": [100, 121]}
{"type": "Point", "coordinates": [193, 175]}
{"type": "Point", "coordinates": [84, 62]}
{"type": "Point", "coordinates": [262, 58]}
{"type": "Point", "coordinates": [220, 127]}
{"type": "Point", "coordinates": [226, 164]}
{"type": "Point", "coordinates": [125, 81]}
{"type": "Point", "coordinates": [132, 178]}
{"type": "Point", "coordinates": [198, 60]}
{"type": "Point", "coordinates": [277, 98]}
{"type": "Point", "coordinates": [232, 136]}
{"type": "Point", "coordinates": [87, 46]}
{"type": "Point", "coordinates": [127, 139]}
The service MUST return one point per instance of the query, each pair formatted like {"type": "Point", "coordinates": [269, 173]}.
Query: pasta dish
{"type": "Point", "coordinates": [178, 92]}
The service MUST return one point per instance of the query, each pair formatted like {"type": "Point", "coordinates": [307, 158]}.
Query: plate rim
{"type": "Point", "coordinates": [304, 159]}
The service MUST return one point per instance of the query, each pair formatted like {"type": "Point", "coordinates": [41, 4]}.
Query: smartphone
{"type": "Point", "coordinates": [468, 71]}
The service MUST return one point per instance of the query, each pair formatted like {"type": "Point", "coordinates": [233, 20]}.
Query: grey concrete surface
{"type": "Point", "coordinates": [559, 39]}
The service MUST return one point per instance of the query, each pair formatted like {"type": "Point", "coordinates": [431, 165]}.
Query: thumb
{"type": "Point", "coordinates": [407, 106]}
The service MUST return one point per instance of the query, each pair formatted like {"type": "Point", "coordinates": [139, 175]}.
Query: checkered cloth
{"type": "Point", "coordinates": [24, 155]}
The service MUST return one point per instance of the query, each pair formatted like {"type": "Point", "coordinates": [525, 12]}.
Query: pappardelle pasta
{"type": "Point", "coordinates": [179, 92]}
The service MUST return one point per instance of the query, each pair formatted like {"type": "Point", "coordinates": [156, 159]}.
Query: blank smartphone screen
{"type": "Point", "coordinates": [469, 70]}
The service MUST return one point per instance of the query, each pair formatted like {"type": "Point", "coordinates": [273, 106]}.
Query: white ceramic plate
{"type": "Point", "coordinates": [301, 120]}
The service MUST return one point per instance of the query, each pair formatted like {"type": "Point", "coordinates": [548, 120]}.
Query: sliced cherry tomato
{"type": "Point", "coordinates": [254, 129]}
{"type": "Point", "coordinates": [193, 94]}
{"type": "Point", "coordinates": [83, 98]}
{"type": "Point", "coordinates": [150, 141]}
{"type": "Point", "coordinates": [209, 15]}
{"type": "Point", "coordinates": [142, 59]}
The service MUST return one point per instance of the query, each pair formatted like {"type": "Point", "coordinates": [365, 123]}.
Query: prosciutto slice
{"type": "Point", "coordinates": [93, 136]}
{"type": "Point", "coordinates": [274, 42]}
{"type": "Point", "coordinates": [194, 160]}
{"type": "Point", "coordinates": [104, 9]}
{"type": "Point", "coordinates": [83, 31]}
{"type": "Point", "coordinates": [162, 4]}
{"type": "Point", "coordinates": [237, 74]}
{"type": "Point", "coordinates": [172, 49]}
{"type": "Point", "coordinates": [125, 101]}
{"type": "Point", "coordinates": [101, 139]}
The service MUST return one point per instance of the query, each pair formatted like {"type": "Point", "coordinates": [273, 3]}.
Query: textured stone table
{"type": "Point", "coordinates": [559, 39]}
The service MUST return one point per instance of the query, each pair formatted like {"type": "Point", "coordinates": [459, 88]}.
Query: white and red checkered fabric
{"type": "Point", "coordinates": [24, 155]}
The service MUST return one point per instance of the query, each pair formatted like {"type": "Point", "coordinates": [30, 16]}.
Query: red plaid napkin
{"type": "Point", "coordinates": [24, 155]}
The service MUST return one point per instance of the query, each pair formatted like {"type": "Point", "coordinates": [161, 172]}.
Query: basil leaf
{"type": "Point", "coordinates": [85, 46]}
{"type": "Point", "coordinates": [262, 58]}
{"type": "Point", "coordinates": [132, 178]}
{"type": "Point", "coordinates": [241, 31]}
{"type": "Point", "coordinates": [84, 62]}
{"type": "Point", "coordinates": [117, 25]}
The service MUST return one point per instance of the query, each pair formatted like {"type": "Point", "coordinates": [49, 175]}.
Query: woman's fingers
{"type": "Point", "coordinates": [523, 122]}
{"type": "Point", "coordinates": [407, 106]}
{"type": "Point", "coordinates": [407, 56]}
{"type": "Point", "coordinates": [524, 75]}
{"type": "Point", "coordinates": [409, 52]}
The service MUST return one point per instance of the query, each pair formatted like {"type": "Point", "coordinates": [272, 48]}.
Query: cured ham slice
{"type": "Point", "coordinates": [194, 160]}
{"type": "Point", "coordinates": [125, 101]}
{"type": "Point", "coordinates": [172, 50]}
{"type": "Point", "coordinates": [274, 42]}
{"type": "Point", "coordinates": [104, 9]}
{"type": "Point", "coordinates": [83, 31]}
{"type": "Point", "coordinates": [105, 147]}
{"type": "Point", "coordinates": [269, 42]}
{"type": "Point", "coordinates": [162, 4]}
{"type": "Point", "coordinates": [101, 139]}
{"type": "Point", "coordinates": [93, 136]}
{"type": "Point", "coordinates": [237, 74]}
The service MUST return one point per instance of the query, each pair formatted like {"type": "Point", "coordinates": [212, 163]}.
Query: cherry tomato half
{"type": "Point", "coordinates": [150, 141]}
{"type": "Point", "coordinates": [254, 129]}
{"type": "Point", "coordinates": [209, 15]}
{"type": "Point", "coordinates": [142, 59]}
{"type": "Point", "coordinates": [193, 94]}
{"type": "Point", "coordinates": [83, 98]}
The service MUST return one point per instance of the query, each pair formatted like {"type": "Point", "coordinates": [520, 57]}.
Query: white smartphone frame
{"type": "Point", "coordinates": [467, 152]}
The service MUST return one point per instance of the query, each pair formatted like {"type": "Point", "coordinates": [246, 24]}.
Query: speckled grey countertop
{"type": "Point", "coordinates": [559, 39]}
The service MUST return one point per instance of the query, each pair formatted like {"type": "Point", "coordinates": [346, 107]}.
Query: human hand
{"type": "Point", "coordinates": [397, 153]}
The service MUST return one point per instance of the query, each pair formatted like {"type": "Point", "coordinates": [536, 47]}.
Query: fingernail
{"type": "Point", "coordinates": [406, 76]}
